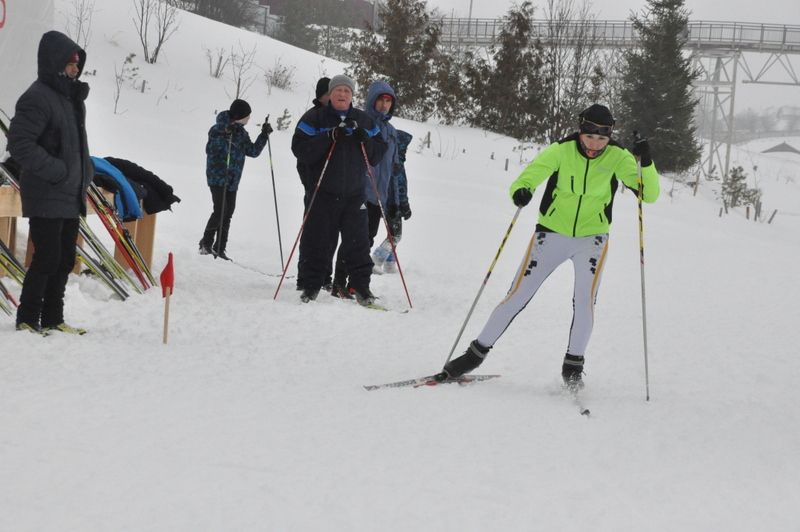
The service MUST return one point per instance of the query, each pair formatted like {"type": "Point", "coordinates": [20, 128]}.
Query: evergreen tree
{"type": "Point", "coordinates": [505, 91]}
{"type": "Point", "coordinates": [296, 29]}
{"type": "Point", "coordinates": [234, 12]}
{"type": "Point", "coordinates": [656, 98]}
{"type": "Point", "coordinates": [404, 54]}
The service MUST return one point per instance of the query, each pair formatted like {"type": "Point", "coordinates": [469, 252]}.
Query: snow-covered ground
{"type": "Point", "coordinates": [253, 417]}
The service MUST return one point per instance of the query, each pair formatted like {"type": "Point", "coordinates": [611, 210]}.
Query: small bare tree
{"type": "Point", "coordinates": [280, 76]}
{"type": "Point", "coordinates": [570, 56]}
{"type": "Point", "coordinates": [155, 16]}
{"type": "Point", "coordinates": [217, 61]}
{"type": "Point", "coordinates": [126, 73]}
{"type": "Point", "coordinates": [79, 22]}
{"type": "Point", "coordinates": [242, 62]}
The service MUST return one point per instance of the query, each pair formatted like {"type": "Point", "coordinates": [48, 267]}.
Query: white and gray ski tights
{"type": "Point", "coordinates": [546, 251]}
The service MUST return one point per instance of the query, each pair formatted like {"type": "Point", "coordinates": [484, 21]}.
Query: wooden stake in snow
{"type": "Point", "coordinates": [167, 286]}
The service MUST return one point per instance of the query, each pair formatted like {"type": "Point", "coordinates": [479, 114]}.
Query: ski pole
{"type": "Point", "coordinates": [275, 196]}
{"type": "Point", "coordinates": [483, 285]}
{"type": "Point", "coordinates": [305, 217]}
{"type": "Point", "coordinates": [224, 196]}
{"type": "Point", "coordinates": [637, 137]}
{"type": "Point", "coordinates": [385, 222]}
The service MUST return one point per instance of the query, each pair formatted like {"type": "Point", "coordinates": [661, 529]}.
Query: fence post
{"type": "Point", "coordinates": [506, 164]}
{"type": "Point", "coordinates": [772, 216]}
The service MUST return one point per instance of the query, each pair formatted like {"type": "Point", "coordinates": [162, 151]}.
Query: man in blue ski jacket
{"type": "Point", "coordinates": [335, 138]}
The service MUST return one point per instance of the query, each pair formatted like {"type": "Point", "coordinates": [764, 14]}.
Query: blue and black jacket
{"type": "Point", "coordinates": [346, 174]}
{"type": "Point", "coordinates": [399, 174]}
{"type": "Point", "coordinates": [222, 136]}
{"type": "Point", "coordinates": [387, 187]}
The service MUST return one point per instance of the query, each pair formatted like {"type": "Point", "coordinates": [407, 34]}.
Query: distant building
{"type": "Point", "coordinates": [363, 13]}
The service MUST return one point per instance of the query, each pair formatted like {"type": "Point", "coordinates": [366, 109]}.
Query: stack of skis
{"type": "Point", "coordinates": [97, 259]}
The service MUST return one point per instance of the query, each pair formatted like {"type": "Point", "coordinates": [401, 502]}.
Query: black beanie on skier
{"type": "Point", "coordinates": [596, 119]}
{"type": "Point", "coordinates": [239, 109]}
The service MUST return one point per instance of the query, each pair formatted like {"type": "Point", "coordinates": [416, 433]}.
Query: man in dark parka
{"type": "Point", "coordinates": [337, 138]}
{"type": "Point", "coordinates": [47, 136]}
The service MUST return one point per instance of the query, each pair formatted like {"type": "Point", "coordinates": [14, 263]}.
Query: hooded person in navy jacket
{"type": "Point", "coordinates": [47, 137]}
{"type": "Point", "coordinates": [335, 139]}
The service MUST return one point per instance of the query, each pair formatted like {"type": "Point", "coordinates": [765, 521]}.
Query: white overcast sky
{"type": "Point", "coordinates": [769, 11]}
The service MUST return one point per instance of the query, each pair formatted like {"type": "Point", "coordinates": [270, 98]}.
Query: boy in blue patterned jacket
{"type": "Point", "coordinates": [228, 144]}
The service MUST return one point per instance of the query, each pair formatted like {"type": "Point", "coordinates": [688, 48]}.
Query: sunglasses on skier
{"type": "Point", "coordinates": [592, 128]}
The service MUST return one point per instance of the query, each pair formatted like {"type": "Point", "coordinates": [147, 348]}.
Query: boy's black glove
{"type": "Point", "coordinates": [522, 196]}
{"type": "Point", "coordinates": [405, 211]}
{"type": "Point", "coordinates": [641, 149]}
{"type": "Point", "coordinates": [266, 128]}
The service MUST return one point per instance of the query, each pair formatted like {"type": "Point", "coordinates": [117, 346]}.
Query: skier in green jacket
{"type": "Point", "coordinates": [582, 173]}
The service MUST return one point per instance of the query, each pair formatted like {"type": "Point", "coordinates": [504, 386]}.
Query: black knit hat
{"type": "Point", "coordinates": [593, 116]}
{"type": "Point", "coordinates": [322, 87]}
{"type": "Point", "coordinates": [239, 109]}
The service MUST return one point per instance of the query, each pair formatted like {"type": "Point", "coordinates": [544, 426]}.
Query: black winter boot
{"type": "Point", "coordinates": [471, 359]}
{"type": "Point", "coordinates": [309, 294]}
{"type": "Point", "coordinates": [572, 371]}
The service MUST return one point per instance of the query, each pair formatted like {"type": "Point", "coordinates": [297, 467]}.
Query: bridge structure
{"type": "Point", "coordinates": [724, 53]}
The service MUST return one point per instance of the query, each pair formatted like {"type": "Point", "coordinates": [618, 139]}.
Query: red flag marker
{"type": "Point", "coordinates": [167, 286]}
{"type": "Point", "coordinates": [168, 277]}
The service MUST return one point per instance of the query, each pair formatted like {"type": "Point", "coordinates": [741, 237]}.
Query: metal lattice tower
{"type": "Point", "coordinates": [719, 50]}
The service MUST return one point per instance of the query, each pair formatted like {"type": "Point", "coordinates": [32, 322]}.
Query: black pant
{"type": "Point", "coordinates": [330, 216]}
{"type": "Point", "coordinates": [42, 298]}
{"type": "Point", "coordinates": [212, 227]}
{"type": "Point", "coordinates": [373, 222]}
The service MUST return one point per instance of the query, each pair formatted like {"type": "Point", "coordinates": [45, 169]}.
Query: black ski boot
{"type": "Point", "coordinates": [309, 294]}
{"type": "Point", "coordinates": [205, 249]}
{"type": "Point", "coordinates": [572, 372]}
{"type": "Point", "coordinates": [471, 359]}
{"type": "Point", "coordinates": [221, 255]}
{"type": "Point", "coordinates": [365, 298]}
{"type": "Point", "coordinates": [341, 291]}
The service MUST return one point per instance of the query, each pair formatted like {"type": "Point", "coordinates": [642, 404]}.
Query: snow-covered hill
{"type": "Point", "coordinates": [254, 416]}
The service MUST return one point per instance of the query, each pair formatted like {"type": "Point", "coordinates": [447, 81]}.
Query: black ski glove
{"type": "Point", "coordinates": [361, 134]}
{"type": "Point", "coordinates": [641, 149]}
{"type": "Point", "coordinates": [522, 196]}
{"type": "Point", "coordinates": [405, 211]}
{"type": "Point", "coordinates": [266, 128]}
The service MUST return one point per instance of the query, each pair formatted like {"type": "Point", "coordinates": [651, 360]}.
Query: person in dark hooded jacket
{"type": "Point", "coordinates": [47, 137]}
{"type": "Point", "coordinates": [228, 144]}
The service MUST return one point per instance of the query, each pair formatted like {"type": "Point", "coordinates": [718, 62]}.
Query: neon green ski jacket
{"type": "Point", "coordinates": [580, 191]}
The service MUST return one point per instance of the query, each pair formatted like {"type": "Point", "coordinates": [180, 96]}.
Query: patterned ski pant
{"type": "Point", "coordinates": [545, 253]}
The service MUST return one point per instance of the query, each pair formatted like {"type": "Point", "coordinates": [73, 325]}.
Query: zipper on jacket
{"type": "Point", "coordinates": [580, 199]}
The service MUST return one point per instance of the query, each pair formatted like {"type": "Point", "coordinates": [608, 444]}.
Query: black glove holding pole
{"type": "Point", "coordinates": [522, 196]}
{"type": "Point", "coordinates": [266, 128]}
{"type": "Point", "coordinates": [641, 149]}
